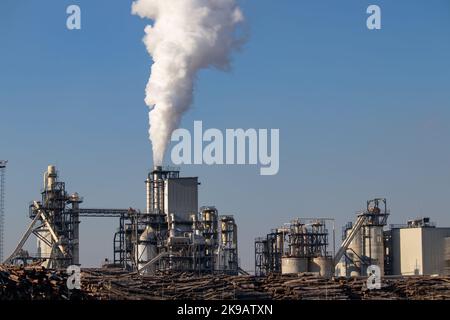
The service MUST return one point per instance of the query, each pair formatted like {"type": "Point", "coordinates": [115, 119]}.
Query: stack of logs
{"type": "Point", "coordinates": [31, 283]}
{"type": "Point", "coordinates": [100, 284]}
{"type": "Point", "coordinates": [113, 284]}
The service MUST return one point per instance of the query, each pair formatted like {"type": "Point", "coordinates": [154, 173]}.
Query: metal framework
{"type": "Point", "coordinates": [228, 251]}
{"type": "Point", "coordinates": [2, 206]}
{"type": "Point", "coordinates": [301, 238]}
{"type": "Point", "coordinates": [373, 217]}
{"type": "Point", "coordinates": [261, 255]}
{"type": "Point", "coordinates": [308, 241]}
{"type": "Point", "coordinates": [54, 225]}
{"type": "Point", "coordinates": [155, 188]}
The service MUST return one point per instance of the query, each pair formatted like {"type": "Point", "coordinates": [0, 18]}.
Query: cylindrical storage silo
{"type": "Point", "coordinates": [147, 249]}
{"type": "Point", "coordinates": [323, 266]}
{"type": "Point", "coordinates": [354, 253]}
{"type": "Point", "coordinates": [294, 265]}
{"type": "Point", "coordinates": [374, 247]}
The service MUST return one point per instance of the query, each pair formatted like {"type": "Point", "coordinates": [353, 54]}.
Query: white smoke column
{"type": "Point", "coordinates": [186, 36]}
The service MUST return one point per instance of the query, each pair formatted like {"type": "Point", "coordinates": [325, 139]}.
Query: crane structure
{"type": "Point", "coordinates": [2, 205]}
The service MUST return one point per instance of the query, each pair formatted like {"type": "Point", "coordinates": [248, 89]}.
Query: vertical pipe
{"type": "Point", "coordinates": [51, 177]}
{"type": "Point", "coordinates": [148, 195]}
{"type": "Point", "coordinates": [76, 229]}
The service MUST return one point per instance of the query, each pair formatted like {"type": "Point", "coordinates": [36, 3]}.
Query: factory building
{"type": "Point", "coordinates": [171, 235]}
{"type": "Point", "coordinates": [417, 248]}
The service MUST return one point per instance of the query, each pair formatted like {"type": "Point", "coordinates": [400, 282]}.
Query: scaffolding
{"type": "Point", "coordinates": [261, 255]}
{"type": "Point", "coordinates": [307, 241]}
{"type": "Point", "coordinates": [228, 250]}
{"type": "Point", "coordinates": [302, 238]}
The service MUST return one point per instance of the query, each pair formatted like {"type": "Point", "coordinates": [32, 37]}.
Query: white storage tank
{"type": "Point", "coordinates": [374, 246]}
{"type": "Point", "coordinates": [147, 249]}
{"type": "Point", "coordinates": [294, 265]}
{"type": "Point", "coordinates": [354, 252]}
{"type": "Point", "coordinates": [323, 266]}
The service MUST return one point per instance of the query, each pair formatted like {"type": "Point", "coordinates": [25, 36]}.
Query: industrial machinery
{"type": "Point", "coordinates": [299, 246]}
{"type": "Point", "coordinates": [363, 241]}
{"type": "Point", "coordinates": [2, 206]}
{"type": "Point", "coordinates": [174, 236]}
{"type": "Point", "coordinates": [170, 236]}
{"type": "Point", "coordinates": [54, 225]}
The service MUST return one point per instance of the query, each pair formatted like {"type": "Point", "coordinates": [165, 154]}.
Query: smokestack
{"type": "Point", "coordinates": [155, 190]}
{"type": "Point", "coordinates": [186, 36]}
{"type": "Point", "coordinates": [50, 177]}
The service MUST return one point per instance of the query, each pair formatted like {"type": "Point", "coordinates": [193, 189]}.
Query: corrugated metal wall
{"type": "Point", "coordinates": [181, 197]}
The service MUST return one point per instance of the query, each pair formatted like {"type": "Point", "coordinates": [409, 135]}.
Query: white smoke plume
{"type": "Point", "coordinates": [186, 36]}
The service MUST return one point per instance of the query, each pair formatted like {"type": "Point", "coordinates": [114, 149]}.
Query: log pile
{"type": "Point", "coordinates": [123, 286]}
{"type": "Point", "coordinates": [31, 283]}
{"type": "Point", "coordinates": [114, 284]}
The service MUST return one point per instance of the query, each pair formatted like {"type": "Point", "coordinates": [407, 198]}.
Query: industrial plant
{"type": "Point", "coordinates": [174, 240]}
{"type": "Point", "coordinates": [303, 246]}
{"type": "Point", "coordinates": [173, 234]}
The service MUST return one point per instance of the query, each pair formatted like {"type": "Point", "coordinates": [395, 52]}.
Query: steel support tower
{"type": "Point", "coordinates": [2, 206]}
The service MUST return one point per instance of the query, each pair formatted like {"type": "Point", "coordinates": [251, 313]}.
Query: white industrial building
{"type": "Point", "coordinates": [418, 248]}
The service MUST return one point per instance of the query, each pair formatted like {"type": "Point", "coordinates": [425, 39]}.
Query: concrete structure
{"type": "Point", "coordinates": [418, 248]}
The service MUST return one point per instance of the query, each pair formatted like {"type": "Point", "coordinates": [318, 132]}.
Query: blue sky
{"type": "Point", "coordinates": [361, 113]}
